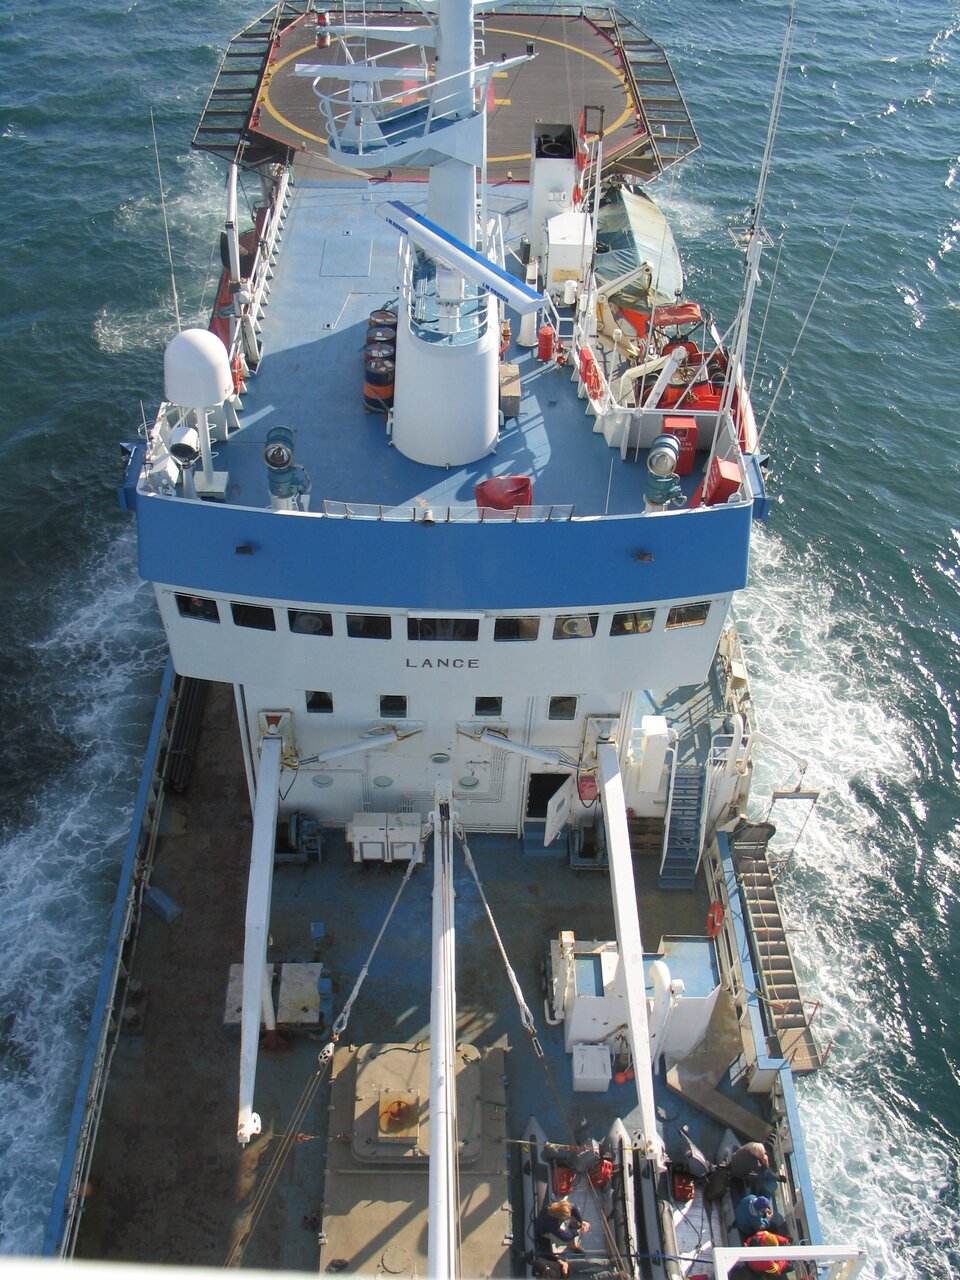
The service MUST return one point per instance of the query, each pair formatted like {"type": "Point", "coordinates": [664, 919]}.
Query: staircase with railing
{"type": "Point", "coordinates": [681, 854]}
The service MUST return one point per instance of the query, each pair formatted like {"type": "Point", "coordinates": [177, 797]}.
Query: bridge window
{"type": "Point", "coordinates": [307, 623]}
{"type": "Point", "coordinates": [442, 628]}
{"type": "Point", "coordinates": [688, 615]}
{"type": "Point", "coordinates": [393, 706]}
{"type": "Point", "coordinates": [575, 626]}
{"type": "Point", "coordinates": [198, 607]}
{"type": "Point", "coordinates": [632, 624]}
{"type": "Point", "coordinates": [368, 626]}
{"type": "Point", "coordinates": [319, 702]}
{"type": "Point", "coordinates": [563, 707]}
{"type": "Point", "coordinates": [488, 707]}
{"type": "Point", "coordinates": [253, 615]}
{"type": "Point", "coordinates": [516, 628]}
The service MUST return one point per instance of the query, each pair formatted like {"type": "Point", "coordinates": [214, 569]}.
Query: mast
{"type": "Point", "coordinates": [754, 233]}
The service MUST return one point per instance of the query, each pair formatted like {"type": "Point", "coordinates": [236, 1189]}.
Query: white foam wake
{"type": "Point", "coordinates": [883, 1168]}
{"type": "Point", "coordinates": [58, 872]}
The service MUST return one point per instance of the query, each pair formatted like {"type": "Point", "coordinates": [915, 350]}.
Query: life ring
{"type": "Point", "coordinates": [714, 919]}
{"type": "Point", "coordinates": [236, 369]}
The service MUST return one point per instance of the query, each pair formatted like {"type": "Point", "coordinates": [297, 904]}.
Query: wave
{"type": "Point", "coordinates": [862, 925]}
{"type": "Point", "coordinates": [58, 869]}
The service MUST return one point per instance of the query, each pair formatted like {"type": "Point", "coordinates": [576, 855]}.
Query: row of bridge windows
{"type": "Point", "coordinates": [380, 626]}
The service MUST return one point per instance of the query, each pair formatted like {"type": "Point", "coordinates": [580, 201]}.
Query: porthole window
{"type": "Point", "coordinates": [253, 615]}
{"type": "Point", "coordinates": [688, 615]}
{"type": "Point", "coordinates": [635, 623]}
{"type": "Point", "coordinates": [198, 607]}
{"type": "Point", "coordinates": [562, 707]}
{"type": "Point", "coordinates": [393, 706]}
{"type": "Point", "coordinates": [307, 623]}
{"type": "Point", "coordinates": [443, 628]}
{"type": "Point", "coordinates": [488, 707]}
{"type": "Point", "coordinates": [516, 628]}
{"type": "Point", "coordinates": [319, 702]}
{"type": "Point", "coordinates": [368, 626]}
{"type": "Point", "coordinates": [575, 626]}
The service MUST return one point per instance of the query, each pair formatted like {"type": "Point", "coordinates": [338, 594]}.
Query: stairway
{"type": "Point", "coordinates": [679, 867]}
{"type": "Point", "coordinates": [783, 1006]}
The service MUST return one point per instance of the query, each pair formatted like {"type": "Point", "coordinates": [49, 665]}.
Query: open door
{"type": "Point", "coordinates": [559, 807]}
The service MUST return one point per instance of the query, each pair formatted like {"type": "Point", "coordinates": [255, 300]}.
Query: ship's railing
{"type": "Point", "coordinates": [245, 329]}
{"type": "Point", "coordinates": [106, 1019]}
{"type": "Point", "coordinates": [420, 293]}
{"type": "Point", "coordinates": [442, 514]}
{"type": "Point", "coordinates": [358, 128]}
{"type": "Point", "coordinates": [829, 1261]}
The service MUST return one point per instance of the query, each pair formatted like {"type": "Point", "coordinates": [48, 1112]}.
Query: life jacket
{"type": "Point", "coordinates": [768, 1266]}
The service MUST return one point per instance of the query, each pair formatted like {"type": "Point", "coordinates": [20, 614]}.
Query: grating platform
{"type": "Point", "coordinates": [260, 108]}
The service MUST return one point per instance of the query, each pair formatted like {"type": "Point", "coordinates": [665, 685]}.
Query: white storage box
{"type": "Point", "coordinates": [592, 1069]}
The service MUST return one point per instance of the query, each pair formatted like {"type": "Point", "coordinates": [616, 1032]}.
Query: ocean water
{"type": "Point", "coordinates": [851, 619]}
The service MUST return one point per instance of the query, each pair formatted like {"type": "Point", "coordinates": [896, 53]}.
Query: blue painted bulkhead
{"type": "Point", "coordinates": [403, 564]}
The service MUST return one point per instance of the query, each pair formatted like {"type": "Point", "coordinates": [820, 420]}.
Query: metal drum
{"type": "Point", "coordinates": [378, 376]}
{"type": "Point", "coordinates": [380, 333]}
{"type": "Point", "coordinates": [379, 351]}
{"type": "Point", "coordinates": [382, 319]}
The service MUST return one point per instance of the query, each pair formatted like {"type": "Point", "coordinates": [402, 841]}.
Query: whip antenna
{"type": "Point", "coordinates": [166, 229]}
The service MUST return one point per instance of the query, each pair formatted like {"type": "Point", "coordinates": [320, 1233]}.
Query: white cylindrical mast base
{"type": "Point", "coordinates": [446, 406]}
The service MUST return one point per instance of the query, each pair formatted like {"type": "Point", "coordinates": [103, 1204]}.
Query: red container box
{"type": "Point", "coordinates": [723, 479]}
{"type": "Point", "coordinates": [686, 433]}
{"type": "Point", "coordinates": [503, 493]}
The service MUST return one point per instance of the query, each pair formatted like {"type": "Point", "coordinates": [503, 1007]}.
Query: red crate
{"type": "Point", "coordinates": [686, 432]}
{"type": "Point", "coordinates": [723, 479]}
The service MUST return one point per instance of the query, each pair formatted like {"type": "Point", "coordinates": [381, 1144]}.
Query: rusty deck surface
{"type": "Point", "coordinates": [169, 1182]}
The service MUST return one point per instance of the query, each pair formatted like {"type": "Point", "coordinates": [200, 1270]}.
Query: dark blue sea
{"type": "Point", "coordinates": [852, 618]}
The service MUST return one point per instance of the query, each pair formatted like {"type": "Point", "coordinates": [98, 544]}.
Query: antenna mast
{"type": "Point", "coordinates": [754, 233]}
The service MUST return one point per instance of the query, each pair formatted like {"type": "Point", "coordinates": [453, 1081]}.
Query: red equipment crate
{"type": "Point", "coordinates": [686, 432]}
{"type": "Point", "coordinates": [723, 479]}
{"type": "Point", "coordinates": [503, 493]}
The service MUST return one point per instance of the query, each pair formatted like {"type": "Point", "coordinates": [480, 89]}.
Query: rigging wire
{"type": "Point", "coordinates": [291, 1133]}
{"type": "Point", "coordinates": [166, 228]}
{"type": "Point", "coordinates": [527, 1020]}
{"type": "Point", "coordinates": [813, 303]}
{"type": "Point", "coordinates": [766, 316]}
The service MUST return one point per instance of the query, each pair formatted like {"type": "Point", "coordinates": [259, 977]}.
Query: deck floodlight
{"type": "Point", "coordinates": [185, 445]}
{"type": "Point", "coordinates": [663, 455]}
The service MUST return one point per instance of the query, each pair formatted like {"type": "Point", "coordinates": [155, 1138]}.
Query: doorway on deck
{"type": "Point", "coordinates": [541, 788]}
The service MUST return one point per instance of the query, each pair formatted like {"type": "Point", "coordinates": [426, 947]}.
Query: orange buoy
{"type": "Point", "coordinates": [236, 369]}
{"type": "Point", "coordinates": [714, 919]}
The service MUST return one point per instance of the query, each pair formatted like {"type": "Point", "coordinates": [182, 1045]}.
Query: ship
{"type": "Point", "coordinates": [444, 943]}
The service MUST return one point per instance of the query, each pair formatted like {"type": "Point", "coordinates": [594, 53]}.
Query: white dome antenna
{"type": "Point", "coordinates": [197, 379]}
{"type": "Point", "coordinates": [196, 370]}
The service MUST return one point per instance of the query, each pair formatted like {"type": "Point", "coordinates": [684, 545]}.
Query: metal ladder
{"type": "Point", "coordinates": [678, 870]}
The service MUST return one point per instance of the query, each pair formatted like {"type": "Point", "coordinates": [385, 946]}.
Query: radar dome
{"type": "Point", "coordinates": [196, 370]}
